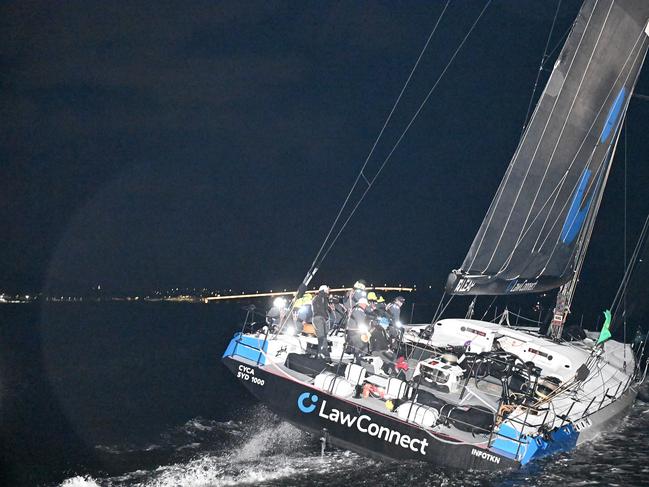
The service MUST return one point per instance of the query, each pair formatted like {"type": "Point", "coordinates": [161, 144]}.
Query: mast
{"type": "Point", "coordinates": [567, 291]}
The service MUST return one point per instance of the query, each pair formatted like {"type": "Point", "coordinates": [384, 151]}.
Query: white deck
{"type": "Point", "coordinates": [589, 404]}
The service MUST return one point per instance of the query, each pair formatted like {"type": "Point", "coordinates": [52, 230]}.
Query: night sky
{"type": "Point", "coordinates": [150, 145]}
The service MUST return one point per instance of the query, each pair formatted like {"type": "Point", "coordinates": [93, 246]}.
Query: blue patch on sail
{"type": "Point", "coordinates": [576, 216]}
{"type": "Point", "coordinates": [613, 115]}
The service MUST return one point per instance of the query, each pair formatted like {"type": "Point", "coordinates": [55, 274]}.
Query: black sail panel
{"type": "Point", "coordinates": [540, 213]}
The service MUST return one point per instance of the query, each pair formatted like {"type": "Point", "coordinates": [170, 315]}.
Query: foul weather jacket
{"type": "Point", "coordinates": [320, 305]}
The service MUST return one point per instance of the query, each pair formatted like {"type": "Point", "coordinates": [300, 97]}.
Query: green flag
{"type": "Point", "coordinates": [605, 334]}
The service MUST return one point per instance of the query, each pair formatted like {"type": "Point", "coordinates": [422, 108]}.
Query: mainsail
{"type": "Point", "coordinates": [537, 227]}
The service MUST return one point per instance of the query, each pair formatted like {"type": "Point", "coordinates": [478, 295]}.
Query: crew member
{"type": "Point", "coordinates": [379, 338]}
{"type": "Point", "coordinates": [377, 305]}
{"type": "Point", "coordinates": [370, 311]}
{"type": "Point", "coordinates": [358, 330]}
{"type": "Point", "coordinates": [302, 312]}
{"type": "Point", "coordinates": [394, 312]}
{"type": "Point", "coordinates": [356, 293]}
{"type": "Point", "coordinates": [380, 306]}
{"type": "Point", "coordinates": [320, 306]}
{"type": "Point", "coordinates": [338, 315]}
{"type": "Point", "coordinates": [277, 312]}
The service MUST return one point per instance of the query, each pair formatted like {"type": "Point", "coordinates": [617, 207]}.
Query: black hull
{"type": "Point", "coordinates": [366, 431]}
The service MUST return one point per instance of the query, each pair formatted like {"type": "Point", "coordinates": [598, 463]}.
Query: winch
{"type": "Point", "coordinates": [441, 373]}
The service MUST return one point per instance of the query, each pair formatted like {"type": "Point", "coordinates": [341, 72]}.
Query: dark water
{"type": "Point", "coordinates": [134, 394]}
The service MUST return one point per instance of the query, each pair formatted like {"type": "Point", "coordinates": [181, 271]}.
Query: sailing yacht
{"type": "Point", "coordinates": [471, 393]}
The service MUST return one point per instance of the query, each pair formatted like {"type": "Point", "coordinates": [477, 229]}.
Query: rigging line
{"type": "Point", "coordinates": [582, 248]}
{"type": "Point", "coordinates": [602, 106]}
{"type": "Point", "coordinates": [556, 145]}
{"type": "Point", "coordinates": [624, 247]}
{"type": "Point", "coordinates": [560, 184]}
{"type": "Point", "coordinates": [552, 197]}
{"type": "Point", "coordinates": [378, 138]}
{"type": "Point", "coordinates": [587, 230]}
{"type": "Point", "coordinates": [593, 184]}
{"type": "Point", "coordinates": [318, 259]}
{"type": "Point", "coordinates": [580, 251]}
{"type": "Point", "coordinates": [495, 201]}
{"type": "Point", "coordinates": [572, 386]}
{"type": "Point", "coordinates": [617, 138]}
{"type": "Point", "coordinates": [405, 131]}
{"type": "Point", "coordinates": [563, 127]}
{"type": "Point", "coordinates": [622, 290]}
{"type": "Point", "coordinates": [525, 317]}
{"type": "Point", "coordinates": [554, 49]}
{"type": "Point", "coordinates": [489, 307]}
{"type": "Point", "coordinates": [538, 73]}
{"type": "Point", "coordinates": [515, 159]}
{"type": "Point", "coordinates": [572, 382]}
{"type": "Point", "coordinates": [637, 74]}
{"type": "Point", "coordinates": [632, 263]}
{"type": "Point", "coordinates": [441, 313]}
{"type": "Point", "coordinates": [439, 305]}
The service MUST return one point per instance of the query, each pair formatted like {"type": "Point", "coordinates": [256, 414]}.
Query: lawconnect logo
{"type": "Point", "coordinates": [304, 398]}
{"type": "Point", "coordinates": [308, 403]}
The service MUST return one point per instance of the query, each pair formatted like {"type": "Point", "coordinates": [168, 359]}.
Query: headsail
{"type": "Point", "coordinates": [544, 208]}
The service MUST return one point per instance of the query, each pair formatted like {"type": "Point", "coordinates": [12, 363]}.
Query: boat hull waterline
{"type": "Point", "coordinates": [348, 425]}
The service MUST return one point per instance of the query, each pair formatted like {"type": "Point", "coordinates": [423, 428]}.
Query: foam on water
{"type": "Point", "coordinates": [80, 481]}
{"type": "Point", "coordinates": [121, 450]}
{"type": "Point", "coordinates": [264, 450]}
{"type": "Point", "coordinates": [278, 437]}
{"type": "Point", "coordinates": [213, 471]}
{"type": "Point", "coordinates": [270, 450]}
